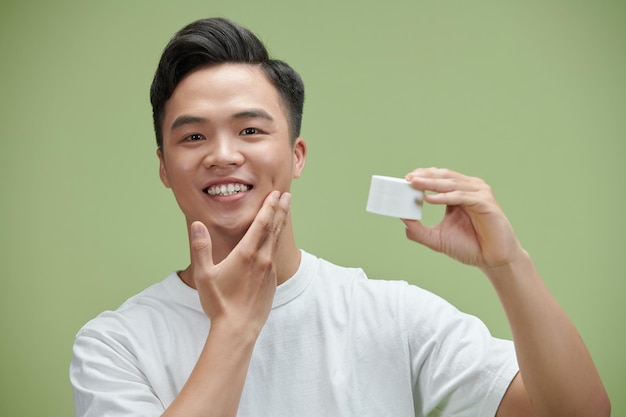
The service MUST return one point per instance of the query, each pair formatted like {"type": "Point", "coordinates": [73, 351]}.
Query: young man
{"type": "Point", "coordinates": [255, 326]}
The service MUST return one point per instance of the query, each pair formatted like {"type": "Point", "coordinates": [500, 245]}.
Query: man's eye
{"type": "Point", "coordinates": [249, 131]}
{"type": "Point", "coordinates": [195, 136]}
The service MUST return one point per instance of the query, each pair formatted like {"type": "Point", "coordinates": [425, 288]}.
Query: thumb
{"type": "Point", "coordinates": [200, 246]}
{"type": "Point", "coordinates": [419, 233]}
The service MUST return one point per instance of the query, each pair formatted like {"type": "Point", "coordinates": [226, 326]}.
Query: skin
{"type": "Point", "coordinates": [226, 123]}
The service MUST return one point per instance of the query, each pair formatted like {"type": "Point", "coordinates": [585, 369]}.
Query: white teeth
{"type": "Point", "coordinates": [227, 189]}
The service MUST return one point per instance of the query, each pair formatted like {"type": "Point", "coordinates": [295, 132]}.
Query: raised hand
{"type": "Point", "coordinates": [474, 230]}
{"type": "Point", "coordinates": [238, 291]}
{"type": "Point", "coordinates": [557, 376]}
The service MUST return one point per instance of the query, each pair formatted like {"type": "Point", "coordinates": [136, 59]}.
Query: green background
{"type": "Point", "coordinates": [529, 95]}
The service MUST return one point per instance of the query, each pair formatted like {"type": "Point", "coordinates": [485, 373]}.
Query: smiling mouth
{"type": "Point", "coordinates": [227, 189]}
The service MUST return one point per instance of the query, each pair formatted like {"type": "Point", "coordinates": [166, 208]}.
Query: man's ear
{"type": "Point", "coordinates": [299, 157]}
{"type": "Point", "coordinates": [162, 171]}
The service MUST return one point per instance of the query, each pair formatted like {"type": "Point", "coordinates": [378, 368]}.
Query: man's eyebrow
{"type": "Point", "coordinates": [186, 120]}
{"type": "Point", "coordinates": [253, 114]}
{"type": "Point", "coordinates": [246, 114]}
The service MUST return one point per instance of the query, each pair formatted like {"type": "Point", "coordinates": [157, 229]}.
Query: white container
{"type": "Point", "coordinates": [394, 197]}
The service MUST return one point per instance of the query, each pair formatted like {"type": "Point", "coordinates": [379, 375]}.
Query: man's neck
{"type": "Point", "coordinates": [287, 256]}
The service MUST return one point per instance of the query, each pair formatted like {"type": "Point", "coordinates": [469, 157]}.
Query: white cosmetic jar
{"type": "Point", "coordinates": [394, 197]}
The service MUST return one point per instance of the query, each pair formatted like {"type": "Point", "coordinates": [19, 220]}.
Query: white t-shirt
{"type": "Point", "coordinates": [335, 344]}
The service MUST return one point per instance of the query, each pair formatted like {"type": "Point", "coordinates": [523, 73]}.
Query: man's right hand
{"type": "Point", "coordinates": [238, 291]}
{"type": "Point", "coordinates": [237, 295]}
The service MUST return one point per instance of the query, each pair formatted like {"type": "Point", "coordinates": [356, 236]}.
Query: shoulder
{"type": "Point", "coordinates": [356, 279]}
{"type": "Point", "coordinates": [343, 278]}
{"type": "Point", "coordinates": [413, 305]}
{"type": "Point", "coordinates": [152, 308]}
{"type": "Point", "coordinates": [351, 287]}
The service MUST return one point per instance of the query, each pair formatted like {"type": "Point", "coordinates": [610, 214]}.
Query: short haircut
{"type": "Point", "coordinates": [214, 41]}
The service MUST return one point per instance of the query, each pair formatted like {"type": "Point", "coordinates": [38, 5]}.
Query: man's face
{"type": "Point", "coordinates": [226, 146]}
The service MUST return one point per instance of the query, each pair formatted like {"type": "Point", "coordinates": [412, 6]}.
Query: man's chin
{"type": "Point", "coordinates": [233, 231]}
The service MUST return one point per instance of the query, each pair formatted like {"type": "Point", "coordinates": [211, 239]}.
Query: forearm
{"type": "Point", "coordinates": [215, 385]}
{"type": "Point", "coordinates": [558, 372]}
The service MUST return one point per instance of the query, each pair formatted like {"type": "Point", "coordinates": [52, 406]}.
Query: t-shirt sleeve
{"type": "Point", "coordinates": [458, 368]}
{"type": "Point", "coordinates": [106, 380]}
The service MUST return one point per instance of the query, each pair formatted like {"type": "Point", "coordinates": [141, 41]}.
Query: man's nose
{"type": "Point", "coordinates": [223, 152]}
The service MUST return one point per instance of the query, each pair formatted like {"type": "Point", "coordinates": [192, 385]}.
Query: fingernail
{"type": "Point", "coordinates": [197, 230]}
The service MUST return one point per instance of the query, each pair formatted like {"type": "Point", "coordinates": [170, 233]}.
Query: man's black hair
{"type": "Point", "coordinates": [213, 41]}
